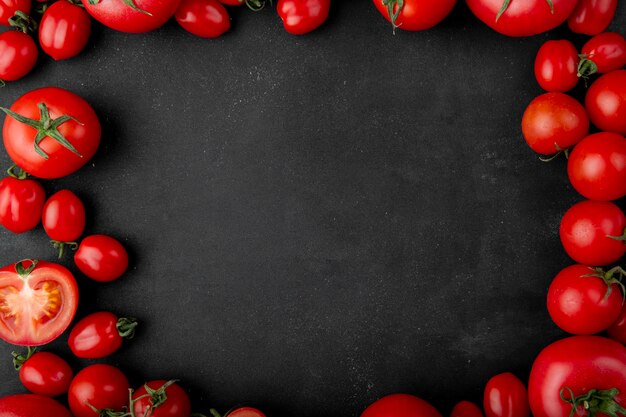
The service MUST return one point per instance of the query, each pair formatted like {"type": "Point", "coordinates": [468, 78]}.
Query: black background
{"type": "Point", "coordinates": [318, 221]}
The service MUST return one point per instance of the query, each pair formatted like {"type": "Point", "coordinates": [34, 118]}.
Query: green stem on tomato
{"type": "Point", "coordinates": [20, 174]}
{"type": "Point", "coordinates": [19, 358]}
{"type": "Point", "coordinates": [126, 327]}
{"type": "Point", "coordinates": [23, 22]}
{"type": "Point", "coordinates": [505, 5]}
{"type": "Point", "coordinates": [594, 402]}
{"type": "Point", "coordinates": [394, 8]}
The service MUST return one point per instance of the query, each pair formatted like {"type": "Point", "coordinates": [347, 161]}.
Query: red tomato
{"type": "Point", "coordinates": [245, 412]}
{"type": "Point", "coordinates": [553, 122]}
{"type": "Point", "coordinates": [522, 17]}
{"type": "Point", "coordinates": [204, 18]}
{"type": "Point", "coordinates": [66, 144]}
{"type": "Point", "coordinates": [597, 167]}
{"type": "Point", "coordinates": [147, 15]}
{"type": "Point", "coordinates": [21, 204]}
{"type": "Point", "coordinates": [400, 405]}
{"type": "Point", "coordinates": [101, 258]}
{"type": "Point", "coordinates": [31, 405]}
{"type": "Point", "coordinates": [606, 102]}
{"type": "Point", "coordinates": [505, 396]}
{"type": "Point", "coordinates": [63, 219]}
{"type": "Point", "coordinates": [556, 66]}
{"type": "Point", "coordinates": [38, 301]}
{"type": "Point", "coordinates": [302, 16]}
{"type": "Point", "coordinates": [591, 17]}
{"type": "Point", "coordinates": [584, 366]}
{"type": "Point", "coordinates": [64, 30]}
{"type": "Point", "coordinates": [9, 7]}
{"type": "Point", "coordinates": [584, 300]}
{"type": "Point", "coordinates": [415, 15]}
{"type": "Point", "coordinates": [466, 409]}
{"type": "Point", "coordinates": [45, 373]}
{"type": "Point", "coordinates": [100, 334]}
{"type": "Point", "coordinates": [102, 386]}
{"type": "Point", "coordinates": [617, 330]}
{"type": "Point", "coordinates": [176, 404]}
{"type": "Point", "coordinates": [18, 55]}
{"type": "Point", "coordinates": [603, 53]}
{"type": "Point", "coordinates": [588, 231]}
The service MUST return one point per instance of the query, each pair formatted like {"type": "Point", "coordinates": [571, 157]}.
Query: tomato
{"type": "Point", "coordinates": [64, 30]}
{"type": "Point", "coordinates": [414, 15]}
{"type": "Point", "coordinates": [400, 405]}
{"type": "Point", "coordinates": [102, 386]}
{"type": "Point", "coordinates": [101, 258]}
{"type": "Point", "coordinates": [176, 401]}
{"type": "Point", "coordinates": [21, 204]}
{"type": "Point", "coordinates": [63, 219]}
{"type": "Point", "coordinates": [603, 53]}
{"type": "Point", "coordinates": [597, 166]}
{"type": "Point", "coordinates": [18, 55]}
{"type": "Point", "coordinates": [144, 16]}
{"type": "Point", "coordinates": [302, 16]}
{"type": "Point", "coordinates": [31, 405]}
{"type": "Point", "coordinates": [66, 136]}
{"type": "Point", "coordinates": [522, 17]}
{"type": "Point", "coordinates": [617, 330]}
{"type": "Point", "coordinates": [466, 409]}
{"type": "Point", "coordinates": [100, 334]}
{"type": "Point", "coordinates": [9, 7]}
{"type": "Point", "coordinates": [586, 367]}
{"type": "Point", "coordinates": [38, 301]}
{"type": "Point", "coordinates": [204, 18]}
{"type": "Point", "coordinates": [245, 412]}
{"type": "Point", "coordinates": [591, 17]}
{"type": "Point", "coordinates": [590, 231]}
{"type": "Point", "coordinates": [556, 66]}
{"type": "Point", "coordinates": [553, 122]}
{"type": "Point", "coordinates": [44, 373]}
{"type": "Point", "coordinates": [505, 396]}
{"type": "Point", "coordinates": [606, 102]}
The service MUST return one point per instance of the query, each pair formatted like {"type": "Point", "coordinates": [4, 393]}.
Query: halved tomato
{"type": "Point", "coordinates": [38, 301]}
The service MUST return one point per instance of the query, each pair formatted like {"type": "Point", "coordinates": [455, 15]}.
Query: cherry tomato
{"type": "Point", "coordinates": [505, 396]}
{"type": "Point", "coordinates": [556, 66]}
{"type": "Point", "coordinates": [100, 334]}
{"type": "Point", "coordinates": [245, 412]}
{"type": "Point", "coordinates": [177, 403]}
{"type": "Point", "coordinates": [400, 405]}
{"type": "Point", "coordinates": [606, 102]}
{"type": "Point", "coordinates": [466, 409]}
{"type": "Point", "coordinates": [63, 219]}
{"type": "Point", "coordinates": [64, 30]}
{"type": "Point", "coordinates": [415, 15]}
{"type": "Point", "coordinates": [591, 17]}
{"type": "Point", "coordinates": [45, 373]}
{"type": "Point", "coordinates": [302, 16]}
{"type": "Point", "coordinates": [31, 405]}
{"type": "Point", "coordinates": [586, 230]}
{"type": "Point", "coordinates": [578, 369]}
{"type": "Point", "coordinates": [617, 330]}
{"type": "Point", "coordinates": [101, 258]}
{"type": "Point", "coordinates": [553, 122]}
{"type": "Point", "coordinates": [9, 7]}
{"type": "Point", "coordinates": [102, 386]}
{"type": "Point", "coordinates": [18, 55]}
{"type": "Point", "coordinates": [52, 157]}
{"type": "Point", "coordinates": [204, 18]}
{"type": "Point", "coordinates": [147, 15]}
{"type": "Point", "coordinates": [21, 204]}
{"type": "Point", "coordinates": [603, 53]}
{"type": "Point", "coordinates": [597, 166]}
{"type": "Point", "coordinates": [38, 301]}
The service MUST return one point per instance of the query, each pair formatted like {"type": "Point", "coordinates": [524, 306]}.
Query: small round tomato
{"type": "Point", "coordinates": [63, 219]}
{"type": "Point", "coordinates": [553, 122]}
{"type": "Point", "coordinates": [204, 18]}
{"type": "Point", "coordinates": [9, 7]}
{"type": "Point", "coordinates": [18, 55]}
{"type": "Point", "coordinates": [245, 412]}
{"type": "Point", "coordinates": [44, 373]}
{"type": "Point", "coordinates": [176, 404]}
{"type": "Point", "coordinates": [132, 16]}
{"type": "Point", "coordinates": [64, 30]}
{"type": "Point", "coordinates": [415, 15]}
{"type": "Point", "coordinates": [556, 66]}
{"type": "Point", "coordinates": [606, 102]}
{"type": "Point", "coordinates": [21, 204]}
{"type": "Point", "coordinates": [101, 258]}
{"type": "Point", "coordinates": [31, 405]}
{"type": "Point", "coordinates": [51, 132]}
{"type": "Point", "coordinates": [505, 396]}
{"type": "Point", "coordinates": [591, 17]}
{"type": "Point", "coordinates": [100, 334]}
{"type": "Point", "coordinates": [400, 405]}
{"type": "Point", "coordinates": [101, 386]}
{"type": "Point", "coordinates": [38, 301]}
{"type": "Point", "coordinates": [617, 330]}
{"type": "Point", "coordinates": [603, 53]}
{"type": "Point", "coordinates": [466, 409]}
{"type": "Point", "coordinates": [591, 231]}
{"type": "Point", "coordinates": [302, 16]}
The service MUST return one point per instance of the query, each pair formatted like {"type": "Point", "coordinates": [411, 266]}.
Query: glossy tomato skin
{"type": "Point", "coordinates": [102, 258]}
{"type": "Point", "coordinates": [591, 17]}
{"type": "Point", "coordinates": [176, 405]}
{"type": "Point", "coordinates": [606, 102]}
{"type": "Point", "coordinates": [466, 409]}
{"type": "Point", "coordinates": [63, 216]}
{"type": "Point", "coordinates": [607, 50]}
{"type": "Point", "coordinates": [554, 121]}
{"type": "Point", "coordinates": [617, 330]}
{"type": "Point", "coordinates": [117, 15]}
{"type": "Point", "coordinates": [505, 396]}
{"type": "Point", "coordinates": [24, 319]}
{"type": "Point", "coordinates": [580, 363]}
{"type": "Point", "coordinates": [584, 232]}
{"type": "Point", "coordinates": [522, 17]}
{"type": "Point", "coordinates": [102, 386]}
{"type": "Point", "coordinates": [47, 374]}
{"type": "Point", "coordinates": [18, 55]}
{"type": "Point", "coordinates": [64, 30]}
{"type": "Point", "coordinates": [400, 405]}
{"type": "Point", "coordinates": [31, 405]}
{"type": "Point", "coordinates": [204, 18]}
{"type": "Point", "coordinates": [9, 7]}
{"type": "Point", "coordinates": [95, 336]}
{"type": "Point", "coordinates": [556, 66]}
{"type": "Point", "coordinates": [19, 138]}
{"type": "Point", "coordinates": [302, 16]}
{"type": "Point", "coordinates": [21, 204]}
{"type": "Point", "coordinates": [418, 15]}
{"type": "Point", "coordinates": [245, 412]}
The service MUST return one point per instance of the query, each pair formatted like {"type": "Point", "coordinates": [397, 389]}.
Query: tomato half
{"type": "Point", "coordinates": [45, 373]}
{"type": "Point", "coordinates": [102, 258]}
{"type": "Point", "coordinates": [302, 16]}
{"type": "Point", "coordinates": [603, 53]}
{"type": "Point", "coordinates": [415, 15]}
{"type": "Point", "coordinates": [505, 396]}
{"type": "Point", "coordinates": [204, 18]}
{"type": "Point", "coordinates": [176, 404]}
{"type": "Point", "coordinates": [591, 17]}
{"type": "Point", "coordinates": [64, 30]}
{"type": "Point", "coordinates": [606, 102]}
{"type": "Point", "coordinates": [101, 386]}
{"type": "Point", "coordinates": [21, 204]}
{"type": "Point", "coordinates": [31, 405]}
{"type": "Point", "coordinates": [466, 409]}
{"type": "Point", "coordinates": [38, 301]}
{"type": "Point", "coordinates": [9, 7]}
{"type": "Point", "coordinates": [18, 55]}
{"type": "Point", "coordinates": [132, 16]}
{"type": "Point", "coordinates": [100, 334]}
{"type": "Point", "coordinates": [400, 405]}
{"type": "Point", "coordinates": [556, 66]}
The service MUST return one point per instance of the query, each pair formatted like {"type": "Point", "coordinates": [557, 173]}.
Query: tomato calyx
{"type": "Point", "coordinates": [23, 22]}
{"type": "Point", "coordinates": [594, 402]}
{"type": "Point", "coordinates": [394, 8]}
{"type": "Point", "coordinates": [505, 5]}
{"type": "Point", "coordinates": [20, 358]}
{"type": "Point", "coordinates": [129, 3]}
{"type": "Point", "coordinates": [126, 327]}
{"type": "Point", "coordinates": [609, 279]}
{"type": "Point", "coordinates": [256, 5]}
{"type": "Point", "coordinates": [586, 66]}
{"type": "Point", "coordinates": [23, 271]}
{"type": "Point", "coordinates": [157, 398]}
{"type": "Point", "coordinates": [61, 246]}
{"type": "Point", "coordinates": [17, 173]}
{"type": "Point", "coordinates": [559, 151]}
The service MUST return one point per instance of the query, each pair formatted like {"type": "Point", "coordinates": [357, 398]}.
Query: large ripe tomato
{"type": "Point", "coordinates": [603, 53]}
{"type": "Point", "coordinates": [132, 16]}
{"type": "Point", "coordinates": [101, 386]}
{"type": "Point", "coordinates": [414, 15]}
{"type": "Point", "coordinates": [617, 330]}
{"type": "Point", "coordinates": [63, 219]}
{"type": "Point", "coordinates": [64, 30]}
{"type": "Point", "coordinates": [553, 122]}
{"type": "Point", "coordinates": [302, 16]}
{"type": "Point", "coordinates": [587, 367]}
{"type": "Point", "coordinates": [9, 7]}
{"type": "Point", "coordinates": [466, 409]}
{"type": "Point", "coordinates": [45, 373]}
{"type": "Point", "coordinates": [400, 405]}
{"type": "Point", "coordinates": [101, 258]}
{"type": "Point", "coordinates": [175, 402]}
{"type": "Point", "coordinates": [38, 301]}
{"type": "Point", "coordinates": [590, 232]}
{"type": "Point", "coordinates": [21, 204]}
{"type": "Point", "coordinates": [204, 18]}
{"type": "Point", "coordinates": [18, 55]}
{"type": "Point", "coordinates": [606, 102]}
{"type": "Point", "coordinates": [100, 334]}
{"type": "Point", "coordinates": [591, 17]}
{"type": "Point", "coordinates": [556, 66]}
{"type": "Point", "coordinates": [505, 396]}
{"type": "Point", "coordinates": [66, 136]}
{"type": "Point", "coordinates": [522, 17]}
{"type": "Point", "coordinates": [31, 405]}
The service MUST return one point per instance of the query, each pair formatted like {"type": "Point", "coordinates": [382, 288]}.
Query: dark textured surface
{"type": "Point", "coordinates": [316, 222]}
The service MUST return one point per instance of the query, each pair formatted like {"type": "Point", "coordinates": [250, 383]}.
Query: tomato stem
{"type": "Point", "coordinates": [609, 279]}
{"type": "Point", "coordinates": [23, 22]}
{"type": "Point", "coordinates": [394, 8]}
{"type": "Point", "coordinates": [20, 174]}
{"type": "Point", "coordinates": [559, 151]}
{"type": "Point", "coordinates": [25, 272]}
{"type": "Point", "coordinates": [256, 5]}
{"type": "Point", "coordinates": [126, 327]}
{"type": "Point", "coordinates": [594, 402]}
{"type": "Point", "coordinates": [586, 66]}
{"type": "Point", "coordinates": [60, 246]}
{"type": "Point", "coordinates": [19, 359]}
{"type": "Point", "coordinates": [505, 5]}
